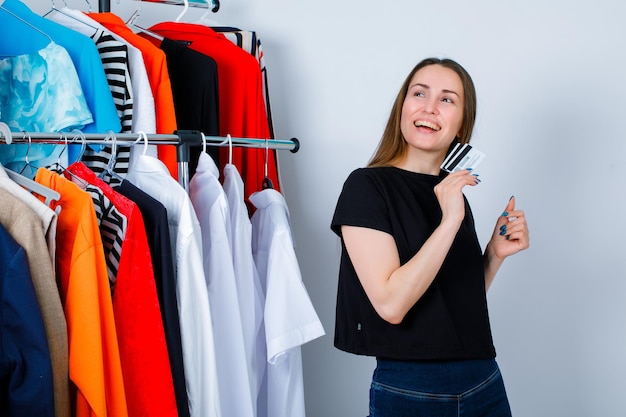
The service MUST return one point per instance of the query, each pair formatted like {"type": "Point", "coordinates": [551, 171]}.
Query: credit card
{"type": "Point", "coordinates": [462, 156]}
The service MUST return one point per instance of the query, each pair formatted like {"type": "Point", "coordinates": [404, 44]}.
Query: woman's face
{"type": "Point", "coordinates": [432, 112]}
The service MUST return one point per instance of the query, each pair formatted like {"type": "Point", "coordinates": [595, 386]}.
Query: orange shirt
{"type": "Point", "coordinates": [158, 76]}
{"type": "Point", "coordinates": [94, 361]}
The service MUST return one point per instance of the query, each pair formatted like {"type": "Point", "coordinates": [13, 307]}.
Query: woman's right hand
{"type": "Point", "coordinates": [449, 193]}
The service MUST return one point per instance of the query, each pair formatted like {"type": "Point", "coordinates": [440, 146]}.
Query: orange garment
{"type": "Point", "coordinates": [158, 76]}
{"type": "Point", "coordinates": [94, 361]}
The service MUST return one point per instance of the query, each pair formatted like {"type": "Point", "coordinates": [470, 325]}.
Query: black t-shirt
{"type": "Point", "coordinates": [450, 321]}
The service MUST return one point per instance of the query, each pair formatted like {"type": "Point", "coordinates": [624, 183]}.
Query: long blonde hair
{"type": "Point", "coordinates": [392, 145]}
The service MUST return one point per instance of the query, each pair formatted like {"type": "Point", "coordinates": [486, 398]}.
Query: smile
{"type": "Point", "coordinates": [423, 123]}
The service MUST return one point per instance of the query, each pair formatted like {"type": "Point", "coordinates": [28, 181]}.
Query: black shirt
{"type": "Point", "coordinates": [450, 321]}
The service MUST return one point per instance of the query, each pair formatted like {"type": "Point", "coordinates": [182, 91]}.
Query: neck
{"type": "Point", "coordinates": [423, 163]}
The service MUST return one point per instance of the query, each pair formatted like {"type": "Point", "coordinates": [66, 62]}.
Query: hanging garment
{"type": "Point", "coordinates": [290, 318]}
{"type": "Point", "coordinates": [47, 216]}
{"type": "Point", "coordinates": [195, 89]}
{"type": "Point", "coordinates": [114, 56]}
{"type": "Point", "coordinates": [152, 176]}
{"type": "Point", "coordinates": [143, 115]}
{"type": "Point", "coordinates": [39, 92]}
{"type": "Point", "coordinates": [94, 361]}
{"type": "Point", "coordinates": [242, 106]}
{"type": "Point", "coordinates": [128, 81]}
{"type": "Point", "coordinates": [157, 230]}
{"type": "Point", "coordinates": [143, 352]}
{"type": "Point", "coordinates": [251, 43]}
{"type": "Point", "coordinates": [24, 226]}
{"type": "Point", "coordinates": [211, 207]}
{"type": "Point", "coordinates": [156, 67]}
{"type": "Point", "coordinates": [111, 223]}
{"type": "Point", "coordinates": [85, 57]}
{"type": "Point", "coordinates": [249, 290]}
{"type": "Point", "coordinates": [25, 363]}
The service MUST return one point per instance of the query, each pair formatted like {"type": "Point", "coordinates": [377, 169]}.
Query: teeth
{"type": "Point", "coordinates": [424, 123]}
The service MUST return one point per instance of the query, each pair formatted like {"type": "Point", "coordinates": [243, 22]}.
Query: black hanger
{"type": "Point", "coordinates": [267, 182]}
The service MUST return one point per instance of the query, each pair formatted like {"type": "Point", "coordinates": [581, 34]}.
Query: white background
{"type": "Point", "coordinates": [551, 82]}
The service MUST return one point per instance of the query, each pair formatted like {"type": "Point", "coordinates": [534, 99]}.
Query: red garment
{"type": "Point", "coordinates": [242, 104]}
{"type": "Point", "coordinates": [145, 362]}
{"type": "Point", "coordinates": [158, 76]}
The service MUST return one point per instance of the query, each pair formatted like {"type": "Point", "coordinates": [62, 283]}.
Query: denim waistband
{"type": "Point", "coordinates": [449, 377]}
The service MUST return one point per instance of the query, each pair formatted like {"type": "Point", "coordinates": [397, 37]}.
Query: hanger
{"type": "Point", "coordinates": [133, 18]}
{"type": "Point", "coordinates": [57, 10]}
{"type": "Point", "coordinates": [267, 182]}
{"type": "Point", "coordinates": [24, 135]}
{"type": "Point", "coordinates": [57, 166]}
{"type": "Point", "coordinates": [88, 6]}
{"type": "Point", "coordinates": [110, 169]}
{"type": "Point", "coordinates": [211, 6]}
{"type": "Point", "coordinates": [48, 194]}
{"type": "Point", "coordinates": [83, 143]}
{"type": "Point", "coordinates": [142, 136]}
{"type": "Point", "coordinates": [230, 149]}
{"type": "Point", "coordinates": [5, 132]}
{"type": "Point", "coordinates": [27, 23]}
{"type": "Point", "coordinates": [185, 8]}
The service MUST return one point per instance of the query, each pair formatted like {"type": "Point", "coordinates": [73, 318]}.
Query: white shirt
{"type": "Point", "coordinates": [249, 290]}
{"type": "Point", "coordinates": [211, 206]}
{"type": "Point", "coordinates": [290, 319]}
{"type": "Point", "coordinates": [152, 176]}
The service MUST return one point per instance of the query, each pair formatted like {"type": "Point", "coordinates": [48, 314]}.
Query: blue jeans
{"type": "Point", "coordinates": [472, 388]}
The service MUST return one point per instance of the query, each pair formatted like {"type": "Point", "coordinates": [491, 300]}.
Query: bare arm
{"type": "Point", "coordinates": [393, 288]}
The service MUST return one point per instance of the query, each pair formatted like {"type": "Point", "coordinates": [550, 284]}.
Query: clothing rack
{"type": "Point", "coordinates": [105, 5]}
{"type": "Point", "coordinates": [182, 139]}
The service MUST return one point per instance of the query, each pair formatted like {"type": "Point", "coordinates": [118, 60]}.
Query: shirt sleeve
{"type": "Point", "coordinates": [362, 203]}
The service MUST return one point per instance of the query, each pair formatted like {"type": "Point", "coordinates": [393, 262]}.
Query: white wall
{"type": "Point", "coordinates": [551, 83]}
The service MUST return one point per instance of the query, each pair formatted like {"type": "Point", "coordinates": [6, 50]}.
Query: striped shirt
{"type": "Point", "coordinates": [114, 56]}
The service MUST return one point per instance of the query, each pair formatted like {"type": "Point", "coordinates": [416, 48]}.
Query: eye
{"type": "Point", "coordinates": [418, 94]}
{"type": "Point", "coordinates": [447, 100]}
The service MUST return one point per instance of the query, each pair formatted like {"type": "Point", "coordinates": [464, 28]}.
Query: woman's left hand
{"type": "Point", "coordinates": [511, 232]}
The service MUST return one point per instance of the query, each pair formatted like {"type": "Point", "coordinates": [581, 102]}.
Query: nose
{"type": "Point", "coordinates": [431, 105]}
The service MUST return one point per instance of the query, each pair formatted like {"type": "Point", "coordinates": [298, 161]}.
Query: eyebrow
{"type": "Point", "coordinates": [425, 86]}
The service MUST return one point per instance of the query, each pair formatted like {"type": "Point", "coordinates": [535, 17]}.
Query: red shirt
{"type": "Point", "coordinates": [145, 361]}
{"type": "Point", "coordinates": [242, 104]}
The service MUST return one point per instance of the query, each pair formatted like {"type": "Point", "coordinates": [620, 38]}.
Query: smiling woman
{"type": "Point", "coordinates": [412, 278]}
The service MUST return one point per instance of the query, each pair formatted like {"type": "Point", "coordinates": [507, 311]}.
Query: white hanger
{"type": "Point", "coordinates": [48, 194]}
{"type": "Point", "coordinates": [230, 149]}
{"type": "Point", "coordinates": [5, 132]}
{"type": "Point", "coordinates": [212, 6]}
{"type": "Point", "coordinates": [144, 137]}
{"type": "Point", "coordinates": [185, 8]}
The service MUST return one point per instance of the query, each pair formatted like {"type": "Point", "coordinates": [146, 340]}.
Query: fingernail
{"type": "Point", "coordinates": [511, 198]}
{"type": "Point", "coordinates": [508, 237]}
{"type": "Point", "coordinates": [505, 213]}
{"type": "Point", "coordinates": [503, 227]}
{"type": "Point", "coordinates": [502, 232]}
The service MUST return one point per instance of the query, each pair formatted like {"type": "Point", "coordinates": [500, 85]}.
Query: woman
{"type": "Point", "coordinates": [413, 278]}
